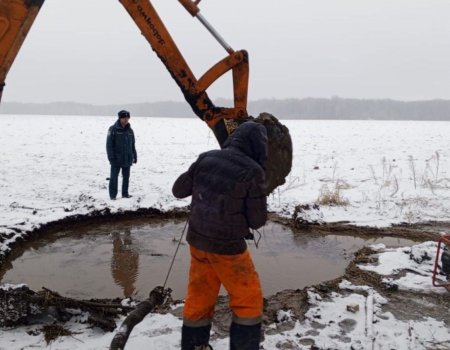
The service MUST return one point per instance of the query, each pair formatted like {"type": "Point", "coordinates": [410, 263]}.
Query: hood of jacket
{"type": "Point", "coordinates": [251, 139]}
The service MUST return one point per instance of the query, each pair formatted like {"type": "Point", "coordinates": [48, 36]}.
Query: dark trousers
{"type": "Point", "coordinates": [113, 180]}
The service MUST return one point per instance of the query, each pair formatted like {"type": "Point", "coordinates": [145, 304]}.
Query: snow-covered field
{"type": "Point", "coordinates": [386, 172]}
{"type": "Point", "coordinates": [389, 172]}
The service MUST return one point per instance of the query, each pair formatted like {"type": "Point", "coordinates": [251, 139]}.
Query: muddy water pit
{"type": "Point", "coordinates": [131, 257]}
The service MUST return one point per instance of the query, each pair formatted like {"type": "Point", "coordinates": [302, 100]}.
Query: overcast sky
{"type": "Point", "coordinates": [91, 51]}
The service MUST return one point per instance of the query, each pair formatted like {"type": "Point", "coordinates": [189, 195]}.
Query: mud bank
{"type": "Point", "coordinates": [417, 232]}
{"type": "Point", "coordinates": [403, 304]}
{"type": "Point", "coordinates": [14, 240]}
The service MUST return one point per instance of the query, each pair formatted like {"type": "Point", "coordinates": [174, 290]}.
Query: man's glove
{"type": "Point", "coordinates": [135, 160]}
{"type": "Point", "coordinates": [250, 236]}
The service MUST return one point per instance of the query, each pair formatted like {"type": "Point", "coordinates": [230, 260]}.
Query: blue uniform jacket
{"type": "Point", "coordinates": [120, 145]}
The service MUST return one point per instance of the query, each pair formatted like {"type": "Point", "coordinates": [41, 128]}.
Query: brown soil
{"type": "Point", "coordinates": [419, 232]}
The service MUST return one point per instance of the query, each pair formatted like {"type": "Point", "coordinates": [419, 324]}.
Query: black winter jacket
{"type": "Point", "coordinates": [228, 192]}
{"type": "Point", "coordinates": [120, 145]}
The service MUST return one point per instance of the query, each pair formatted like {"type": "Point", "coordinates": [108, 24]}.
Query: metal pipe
{"type": "Point", "coordinates": [2, 85]}
{"type": "Point", "coordinates": [214, 33]}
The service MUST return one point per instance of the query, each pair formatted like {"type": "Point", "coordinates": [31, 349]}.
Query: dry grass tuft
{"type": "Point", "coordinates": [54, 331]}
{"type": "Point", "coordinates": [332, 197]}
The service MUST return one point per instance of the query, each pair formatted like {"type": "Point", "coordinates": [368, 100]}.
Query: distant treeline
{"type": "Point", "coordinates": [307, 108]}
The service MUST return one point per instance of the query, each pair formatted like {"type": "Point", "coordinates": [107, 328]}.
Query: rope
{"type": "Point", "coordinates": [256, 240]}
{"type": "Point", "coordinates": [176, 251]}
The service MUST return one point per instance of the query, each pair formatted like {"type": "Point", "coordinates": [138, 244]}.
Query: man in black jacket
{"type": "Point", "coordinates": [228, 198]}
{"type": "Point", "coordinates": [121, 150]}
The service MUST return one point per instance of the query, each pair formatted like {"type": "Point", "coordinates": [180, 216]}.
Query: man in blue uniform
{"type": "Point", "coordinates": [121, 150]}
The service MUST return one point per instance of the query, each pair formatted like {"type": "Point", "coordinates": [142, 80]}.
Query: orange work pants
{"type": "Point", "coordinates": [239, 277]}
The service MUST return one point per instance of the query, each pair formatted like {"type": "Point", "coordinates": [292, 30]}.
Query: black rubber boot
{"type": "Point", "coordinates": [193, 338]}
{"type": "Point", "coordinates": [245, 337]}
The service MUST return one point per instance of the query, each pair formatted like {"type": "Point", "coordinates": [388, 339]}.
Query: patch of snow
{"type": "Point", "coordinates": [284, 316]}
{"type": "Point", "coordinates": [8, 286]}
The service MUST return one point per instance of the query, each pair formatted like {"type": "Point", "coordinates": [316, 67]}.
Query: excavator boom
{"type": "Point", "coordinates": [17, 16]}
{"type": "Point", "coordinates": [194, 90]}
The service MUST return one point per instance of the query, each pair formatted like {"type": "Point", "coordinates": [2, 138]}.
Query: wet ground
{"type": "Point", "coordinates": [131, 257]}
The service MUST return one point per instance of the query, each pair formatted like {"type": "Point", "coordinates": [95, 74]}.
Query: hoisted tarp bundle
{"type": "Point", "coordinates": [279, 162]}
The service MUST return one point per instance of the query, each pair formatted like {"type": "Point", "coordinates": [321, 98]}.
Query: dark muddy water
{"type": "Point", "coordinates": [131, 258]}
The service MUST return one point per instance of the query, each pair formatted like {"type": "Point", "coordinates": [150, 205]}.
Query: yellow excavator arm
{"type": "Point", "coordinates": [17, 16]}
{"type": "Point", "coordinates": [194, 90]}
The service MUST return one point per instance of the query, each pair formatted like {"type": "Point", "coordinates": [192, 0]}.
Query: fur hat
{"type": "Point", "coordinates": [123, 114]}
